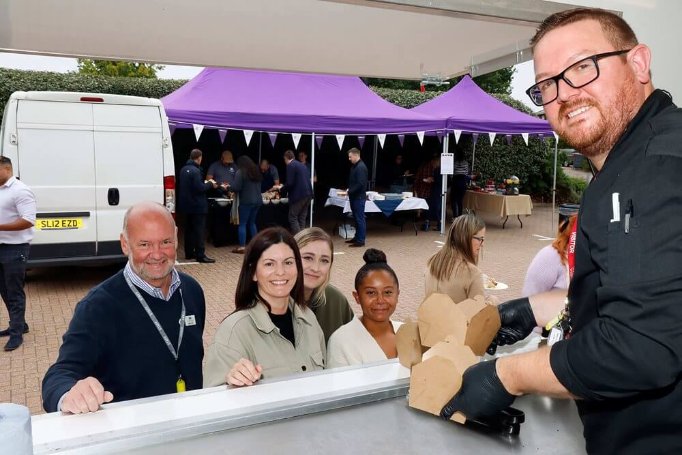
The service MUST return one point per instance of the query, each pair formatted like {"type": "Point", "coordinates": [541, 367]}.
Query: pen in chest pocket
{"type": "Point", "coordinates": [629, 213]}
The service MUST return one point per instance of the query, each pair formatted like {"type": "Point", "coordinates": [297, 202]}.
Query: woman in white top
{"type": "Point", "coordinates": [371, 337]}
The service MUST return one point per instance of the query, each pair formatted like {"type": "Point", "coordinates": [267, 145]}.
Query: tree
{"type": "Point", "coordinates": [117, 68]}
{"type": "Point", "coordinates": [498, 82]}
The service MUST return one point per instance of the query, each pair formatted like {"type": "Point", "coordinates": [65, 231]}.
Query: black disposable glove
{"type": "Point", "coordinates": [517, 320]}
{"type": "Point", "coordinates": [481, 395]}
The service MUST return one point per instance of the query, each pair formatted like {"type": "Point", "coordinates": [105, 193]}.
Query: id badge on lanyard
{"type": "Point", "coordinates": [560, 327]}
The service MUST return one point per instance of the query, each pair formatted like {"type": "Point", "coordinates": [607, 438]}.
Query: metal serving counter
{"type": "Point", "coordinates": [349, 410]}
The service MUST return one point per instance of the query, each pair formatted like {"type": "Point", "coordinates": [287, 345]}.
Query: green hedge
{"type": "Point", "coordinates": [530, 163]}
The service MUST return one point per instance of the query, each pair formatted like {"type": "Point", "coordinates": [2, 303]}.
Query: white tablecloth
{"type": "Point", "coordinates": [411, 203]}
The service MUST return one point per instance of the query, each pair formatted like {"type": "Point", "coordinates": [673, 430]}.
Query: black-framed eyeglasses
{"type": "Point", "coordinates": [480, 239]}
{"type": "Point", "coordinates": [577, 75]}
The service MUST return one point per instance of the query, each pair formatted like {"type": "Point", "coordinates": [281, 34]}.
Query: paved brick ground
{"type": "Point", "coordinates": [53, 293]}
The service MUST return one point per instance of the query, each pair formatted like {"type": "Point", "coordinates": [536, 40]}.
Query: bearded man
{"type": "Point", "coordinates": [137, 334]}
{"type": "Point", "coordinates": [620, 356]}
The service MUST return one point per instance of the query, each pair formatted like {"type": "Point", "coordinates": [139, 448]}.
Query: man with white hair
{"type": "Point", "coordinates": [137, 334]}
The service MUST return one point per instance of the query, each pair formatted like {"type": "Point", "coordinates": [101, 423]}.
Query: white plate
{"type": "Point", "coordinates": [498, 287]}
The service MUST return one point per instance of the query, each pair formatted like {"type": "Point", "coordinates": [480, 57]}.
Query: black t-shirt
{"type": "Point", "coordinates": [285, 324]}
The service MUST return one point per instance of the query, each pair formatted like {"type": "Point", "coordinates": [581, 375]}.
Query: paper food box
{"type": "Point", "coordinates": [441, 345]}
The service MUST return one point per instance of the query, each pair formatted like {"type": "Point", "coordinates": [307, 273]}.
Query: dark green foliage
{"type": "Point", "coordinates": [17, 80]}
{"type": "Point", "coordinates": [117, 68]}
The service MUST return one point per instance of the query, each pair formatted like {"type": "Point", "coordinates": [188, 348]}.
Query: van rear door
{"type": "Point", "coordinates": [128, 165]}
{"type": "Point", "coordinates": [55, 159]}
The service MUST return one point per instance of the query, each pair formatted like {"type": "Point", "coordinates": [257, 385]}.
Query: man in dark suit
{"type": "Point", "coordinates": [357, 185]}
{"type": "Point", "coordinates": [193, 204]}
{"type": "Point", "coordinates": [300, 191]}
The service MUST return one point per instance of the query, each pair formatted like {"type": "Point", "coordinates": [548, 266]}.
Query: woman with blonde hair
{"type": "Point", "coordinates": [328, 303]}
{"type": "Point", "coordinates": [453, 270]}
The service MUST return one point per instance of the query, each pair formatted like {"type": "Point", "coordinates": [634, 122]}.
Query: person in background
{"type": "Point", "coordinates": [247, 185]}
{"type": "Point", "coordinates": [357, 187]}
{"type": "Point", "coordinates": [300, 192]}
{"type": "Point", "coordinates": [370, 337]}
{"type": "Point", "coordinates": [424, 182]}
{"type": "Point", "coordinates": [192, 203]}
{"type": "Point", "coordinates": [17, 217]}
{"type": "Point", "coordinates": [398, 175]}
{"type": "Point", "coordinates": [270, 176]}
{"type": "Point", "coordinates": [124, 341]}
{"type": "Point", "coordinates": [303, 158]}
{"type": "Point", "coordinates": [223, 171]}
{"type": "Point", "coordinates": [453, 269]}
{"type": "Point", "coordinates": [272, 332]}
{"type": "Point", "coordinates": [328, 303]}
{"type": "Point", "coordinates": [460, 179]}
{"type": "Point", "coordinates": [549, 268]}
{"type": "Point", "coordinates": [619, 349]}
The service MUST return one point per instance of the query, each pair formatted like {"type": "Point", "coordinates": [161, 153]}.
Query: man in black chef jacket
{"type": "Point", "coordinates": [622, 354]}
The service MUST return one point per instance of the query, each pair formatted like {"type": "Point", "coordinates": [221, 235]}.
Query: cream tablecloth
{"type": "Point", "coordinates": [498, 204]}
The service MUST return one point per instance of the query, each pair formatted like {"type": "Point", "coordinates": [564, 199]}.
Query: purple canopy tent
{"type": "Point", "coordinates": [289, 103]}
{"type": "Point", "coordinates": [467, 108]}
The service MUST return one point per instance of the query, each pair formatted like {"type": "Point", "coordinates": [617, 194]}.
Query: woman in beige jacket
{"type": "Point", "coordinates": [453, 269]}
{"type": "Point", "coordinates": [272, 332]}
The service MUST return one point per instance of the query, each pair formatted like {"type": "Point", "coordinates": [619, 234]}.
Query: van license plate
{"type": "Point", "coordinates": [47, 224]}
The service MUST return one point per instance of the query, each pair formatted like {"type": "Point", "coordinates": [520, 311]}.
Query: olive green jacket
{"type": "Point", "coordinates": [332, 311]}
{"type": "Point", "coordinates": [251, 334]}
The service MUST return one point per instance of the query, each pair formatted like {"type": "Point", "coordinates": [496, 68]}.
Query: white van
{"type": "Point", "coordinates": [87, 157]}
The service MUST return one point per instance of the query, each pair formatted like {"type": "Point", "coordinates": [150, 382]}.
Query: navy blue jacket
{"type": "Point", "coordinates": [112, 338]}
{"type": "Point", "coordinates": [298, 182]}
{"type": "Point", "coordinates": [192, 189]}
{"type": "Point", "coordinates": [357, 181]}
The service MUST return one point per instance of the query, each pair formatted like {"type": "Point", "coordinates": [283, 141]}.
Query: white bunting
{"type": "Point", "coordinates": [382, 139]}
{"type": "Point", "coordinates": [491, 136]}
{"type": "Point", "coordinates": [556, 136]}
{"type": "Point", "coordinates": [420, 135]}
{"type": "Point", "coordinates": [297, 138]}
{"type": "Point", "coordinates": [509, 139]}
{"type": "Point", "coordinates": [273, 138]}
{"type": "Point", "coordinates": [525, 137]}
{"type": "Point", "coordinates": [458, 133]}
{"type": "Point", "coordinates": [171, 127]}
{"type": "Point", "coordinates": [401, 139]}
{"type": "Point", "coordinates": [197, 130]}
{"type": "Point", "coordinates": [222, 134]}
{"type": "Point", "coordinates": [248, 134]}
{"type": "Point", "coordinates": [361, 141]}
{"type": "Point", "coordinates": [339, 139]}
{"type": "Point", "coordinates": [475, 136]}
{"type": "Point", "coordinates": [318, 141]}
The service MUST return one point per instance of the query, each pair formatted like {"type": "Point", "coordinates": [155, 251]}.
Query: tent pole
{"type": "Point", "coordinates": [473, 155]}
{"type": "Point", "coordinates": [312, 175]}
{"type": "Point", "coordinates": [556, 149]}
{"type": "Point", "coordinates": [444, 188]}
{"type": "Point", "coordinates": [374, 163]}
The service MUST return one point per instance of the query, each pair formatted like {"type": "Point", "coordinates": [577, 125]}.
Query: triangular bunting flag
{"type": "Point", "coordinates": [297, 138]}
{"type": "Point", "coordinates": [556, 136]}
{"type": "Point", "coordinates": [197, 130]}
{"type": "Point", "coordinates": [420, 135]}
{"type": "Point", "coordinates": [248, 134]}
{"type": "Point", "coordinates": [401, 139]}
{"type": "Point", "coordinates": [439, 135]}
{"type": "Point", "coordinates": [382, 139]}
{"type": "Point", "coordinates": [361, 141]}
{"type": "Point", "coordinates": [273, 138]}
{"type": "Point", "coordinates": [458, 133]}
{"type": "Point", "coordinates": [491, 136]}
{"type": "Point", "coordinates": [525, 137]}
{"type": "Point", "coordinates": [171, 127]}
{"type": "Point", "coordinates": [509, 139]}
{"type": "Point", "coordinates": [222, 134]}
{"type": "Point", "coordinates": [339, 139]}
{"type": "Point", "coordinates": [318, 141]}
{"type": "Point", "coordinates": [541, 137]}
{"type": "Point", "coordinates": [475, 136]}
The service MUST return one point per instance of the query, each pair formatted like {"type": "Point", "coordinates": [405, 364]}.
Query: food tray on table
{"type": "Point", "coordinates": [392, 196]}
